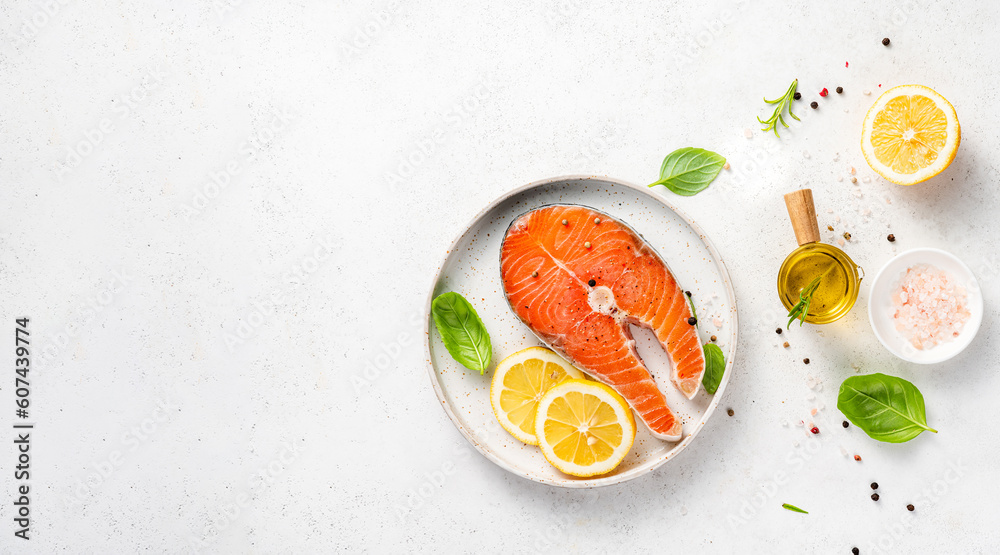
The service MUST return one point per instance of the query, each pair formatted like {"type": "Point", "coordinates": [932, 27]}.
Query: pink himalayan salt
{"type": "Point", "coordinates": [930, 308]}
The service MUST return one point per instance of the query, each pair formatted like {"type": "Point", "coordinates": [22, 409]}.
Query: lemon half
{"type": "Point", "coordinates": [584, 428]}
{"type": "Point", "coordinates": [910, 134]}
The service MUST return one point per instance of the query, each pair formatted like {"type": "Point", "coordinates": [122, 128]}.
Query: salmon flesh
{"type": "Point", "coordinates": [578, 277]}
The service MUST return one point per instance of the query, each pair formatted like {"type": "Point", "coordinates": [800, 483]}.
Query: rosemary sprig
{"type": "Point", "coordinates": [786, 100]}
{"type": "Point", "coordinates": [793, 508]}
{"type": "Point", "coordinates": [802, 307]}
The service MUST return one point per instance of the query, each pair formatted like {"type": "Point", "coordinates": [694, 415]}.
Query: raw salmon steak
{"type": "Point", "coordinates": [578, 278]}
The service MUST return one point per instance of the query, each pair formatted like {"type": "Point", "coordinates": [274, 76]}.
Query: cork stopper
{"type": "Point", "coordinates": [802, 212]}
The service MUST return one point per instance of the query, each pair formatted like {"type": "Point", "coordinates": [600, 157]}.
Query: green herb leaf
{"type": "Point", "coordinates": [801, 309]}
{"type": "Point", "coordinates": [688, 171]}
{"type": "Point", "coordinates": [886, 408]}
{"type": "Point", "coordinates": [462, 332]}
{"type": "Point", "coordinates": [793, 508]}
{"type": "Point", "coordinates": [715, 366]}
{"type": "Point", "coordinates": [770, 124]}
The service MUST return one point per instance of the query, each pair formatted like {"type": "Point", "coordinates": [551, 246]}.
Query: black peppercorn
{"type": "Point", "coordinates": [855, 551]}
{"type": "Point", "coordinates": [805, 360]}
{"type": "Point", "coordinates": [592, 283]}
{"type": "Point", "coordinates": [692, 320]}
{"type": "Point", "coordinates": [688, 293]}
{"type": "Point", "coordinates": [840, 90]}
{"type": "Point", "coordinates": [814, 104]}
{"type": "Point", "coordinates": [874, 497]}
{"type": "Point", "coordinates": [909, 507]}
{"type": "Point", "coordinates": [874, 485]}
{"type": "Point", "coordinates": [846, 424]}
{"type": "Point", "coordinates": [730, 413]}
{"type": "Point", "coordinates": [891, 238]}
{"type": "Point", "coordinates": [885, 41]}
{"type": "Point", "coordinates": [797, 96]}
{"type": "Point", "coordinates": [777, 331]}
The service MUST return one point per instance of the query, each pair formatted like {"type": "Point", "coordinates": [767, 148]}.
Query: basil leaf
{"type": "Point", "coordinates": [886, 408]}
{"type": "Point", "coordinates": [688, 171]}
{"type": "Point", "coordinates": [462, 332]}
{"type": "Point", "coordinates": [793, 508]}
{"type": "Point", "coordinates": [715, 366]}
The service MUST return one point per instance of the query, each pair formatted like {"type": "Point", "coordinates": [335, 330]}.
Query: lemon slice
{"type": "Point", "coordinates": [910, 134]}
{"type": "Point", "coordinates": [584, 428]}
{"type": "Point", "coordinates": [519, 382]}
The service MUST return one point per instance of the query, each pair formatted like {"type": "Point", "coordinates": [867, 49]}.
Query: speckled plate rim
{"type": "Point", "coordinates": [631, 474]}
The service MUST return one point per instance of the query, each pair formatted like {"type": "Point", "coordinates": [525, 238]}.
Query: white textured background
{"type": "Point", "coordinates": [324, 389]}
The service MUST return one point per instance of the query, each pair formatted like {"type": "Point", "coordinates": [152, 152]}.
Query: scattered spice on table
{"type": "Point", "coordinates": [814, 104]}
{"type": "Point", "coordinates": [910, 507]}
{"type": "Point", "coordinates": [874, 497]}
{"type": "Point", "coordinates": [891, 238]}
{"type": "Point", "coordinates": [785, 345]}
{"type": "Point", "coordinates": [714, 338]}
{"type": "Point", "coordinates": [824, 92]}
{"type": "Point", "coordinates": [885, 41]}
{"type": "Point", "coordinates": [805, 361]}
{"type": "Point", "coordinates": [840, 90]}
{"type": "Point", "coordinates": [874, 485]}
{"type": "Point", "coordinates": [797, 96]}
{"type": "Point", "coordinates": [847, 235]}
{"type": "Point", "coordinates": [855, 550]}
{"type": "Point", "coordinates": [846, 424]}
{"type": "Point", "coordinates": [857, 458]}
{"type": "Point", "coordinates": [814, 430]}
{"type": "Point", "coordinates": [829, 227]}
{"type": "Point", "coordinates": [730, 412]}
{"type": "Point", "coordinates": [777, 331]}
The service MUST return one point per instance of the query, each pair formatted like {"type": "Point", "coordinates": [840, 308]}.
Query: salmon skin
{"type": "Point", "coordinates": [578, 277]}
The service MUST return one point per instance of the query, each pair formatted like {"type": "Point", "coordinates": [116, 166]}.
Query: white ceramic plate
{"type": "Point", "coordinates": [880, 307]}
{"type": "Point", "coordinates": [472, 268]}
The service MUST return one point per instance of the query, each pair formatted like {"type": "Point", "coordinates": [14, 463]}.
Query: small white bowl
{"type": "Point", "coordinates": [880, 307]}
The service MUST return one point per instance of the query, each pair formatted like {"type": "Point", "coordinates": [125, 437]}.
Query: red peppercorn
{"type": "Point", "coordinates": [824, 92]}
{"type": "Point", "coordinates": [857, 458]}
{"type": "Point", "coordinates": [815, 430]}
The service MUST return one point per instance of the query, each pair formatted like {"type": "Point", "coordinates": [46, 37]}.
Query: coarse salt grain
{"type": "Point", "coordinates": [748, 133]}
{"type": "Point", "coordinates": [929, 307]}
